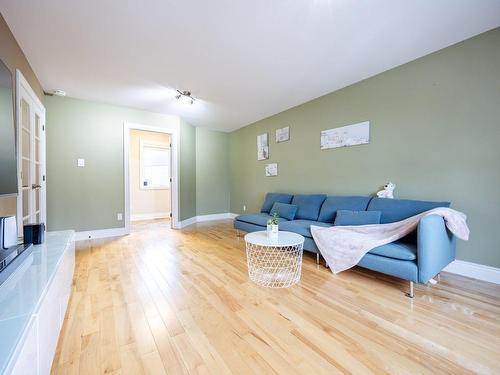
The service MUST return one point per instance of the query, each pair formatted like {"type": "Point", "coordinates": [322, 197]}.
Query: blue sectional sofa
{"type": "Point", "coordinates": [417, 257]}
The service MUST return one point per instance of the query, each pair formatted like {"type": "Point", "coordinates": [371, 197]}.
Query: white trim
{"type": "Point", "coordinates": [100, 233]}
{"type": "Point", "coordinates": [151, 216]}
{"type": "Point", "coordinates": [201, 218]}
{"type": "Point", "coordinates": [211, 217]}
{"type": "Point", "coordinates": [23, 82]}
{"type": "Point", "coordinates": [23, 91]}
{"type": "Point", "coordinates": [187, 222]}
{"type": "Point", "coordinates": [474, 270]}
{"type": "Point", "coordinates": [174, 131]}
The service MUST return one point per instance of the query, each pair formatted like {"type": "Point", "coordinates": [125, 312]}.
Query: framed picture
{"type": "Point", "coordinates": [283, 134]}
{"type": "Point", "coordinates": [262, 147]}
{"type": "Point", "coordinates": [271, 169]}
{"type": "Point", "coordinates": [345, 136]}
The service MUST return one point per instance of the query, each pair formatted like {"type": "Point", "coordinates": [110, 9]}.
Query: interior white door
{"type": "Point", "coordinates": [31, 201]}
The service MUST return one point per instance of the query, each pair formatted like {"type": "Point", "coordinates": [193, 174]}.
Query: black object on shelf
{"type": "Point", "coordinates": [34, 233]}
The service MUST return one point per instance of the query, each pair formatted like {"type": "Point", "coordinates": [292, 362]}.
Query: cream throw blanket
{"type": "Point", "coordinates": [344, 246]}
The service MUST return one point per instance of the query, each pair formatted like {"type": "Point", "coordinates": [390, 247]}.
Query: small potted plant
{"type": "Point", "coordinates": [272, 225]}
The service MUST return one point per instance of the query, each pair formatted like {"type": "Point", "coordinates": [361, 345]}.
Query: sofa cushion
{"type": "Point", "coordinates": [302, 227]}
{"type": "Point", "coordinates": [396, 250]}
{"type": "Point", "coordinates": [334, 203]}
{"type": "Point", "coordinates": [257, 219]}
{"type": "Point", "coordinates": [308, 205]}
{"type": "Point", "coordinates": [399, 209]}
{"type": "Point", "coordinates": [271, 198]}
{"type": "Point", "coordinates": [285, 211]}
{"type": "Point", "coordinates": [345, 217]}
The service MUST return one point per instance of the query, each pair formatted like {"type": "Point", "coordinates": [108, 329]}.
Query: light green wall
{"type": "Point", "coordinates": [187, 171]}
{"type": "Point", "coordinates": [435, 132]}
{"type": "Point", "coordinates": [89, 198]}
{"type": "Point", "coordinates": [13, 57]}
{"type": "Point", "coordinates": [212, 172]}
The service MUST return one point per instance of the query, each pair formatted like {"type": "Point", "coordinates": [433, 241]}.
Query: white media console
{"type": "Point", "coordinates": [33, 303]}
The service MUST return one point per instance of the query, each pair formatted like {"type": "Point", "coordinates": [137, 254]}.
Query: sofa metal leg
{"type": "Point", "coordinates": [410, 294]}
{"type": "Point", "coordinates": [317, 258]}
{"type": "Point", "coordinates": [238, 234]}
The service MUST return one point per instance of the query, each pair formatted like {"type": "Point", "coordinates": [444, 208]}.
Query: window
{"type": "Point", "coordinates": [155, 165]}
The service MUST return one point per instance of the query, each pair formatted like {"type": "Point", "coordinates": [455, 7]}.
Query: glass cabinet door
{"type": "Point", "coordinates": [31, 158]}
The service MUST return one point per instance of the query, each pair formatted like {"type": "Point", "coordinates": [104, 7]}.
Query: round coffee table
{"type": "Point", "coordinates": [274, 262]}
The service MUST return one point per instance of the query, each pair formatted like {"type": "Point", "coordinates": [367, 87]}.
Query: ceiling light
{"type": "Point", "coordinates": [184, 97]}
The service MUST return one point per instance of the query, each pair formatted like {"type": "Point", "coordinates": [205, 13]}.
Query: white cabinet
{"type": "Point", "coordinates": [37, 344]}
{"type": "Point", "coordinates": [48, 320]}
{"type": "Point", "coordinates": [27, 359]}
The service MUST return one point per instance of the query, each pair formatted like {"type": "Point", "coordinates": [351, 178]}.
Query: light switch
{"type": "Point", "coordinates": [119, 216]}
{"type": "Point", "coordinates": [80, 163]}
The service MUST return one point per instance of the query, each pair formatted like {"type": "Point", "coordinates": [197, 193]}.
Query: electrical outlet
{"type": "Point", "coordinates": [244, 208]}
{"type": "Point", "coordinates": [119, 216]}
{"type": "Point", "coordinates": [80, 163]}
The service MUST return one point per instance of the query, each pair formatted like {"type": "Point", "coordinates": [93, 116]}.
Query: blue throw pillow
{"type": "Point", "coordinates": [271, 198]}
{"type": "Point", "coordinates": [286, 211]}
{"type": "Point", "coordinates": [345, 217]}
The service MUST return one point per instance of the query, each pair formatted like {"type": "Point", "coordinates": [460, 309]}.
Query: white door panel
{"type": "Point", "coordinates": [31, 155]}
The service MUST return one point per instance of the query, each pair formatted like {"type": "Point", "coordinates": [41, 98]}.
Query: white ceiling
{"type": "Point", "coordinates": [244, 60]}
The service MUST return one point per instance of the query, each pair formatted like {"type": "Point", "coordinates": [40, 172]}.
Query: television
{"type": "Point", "coordinates": [8, 160]}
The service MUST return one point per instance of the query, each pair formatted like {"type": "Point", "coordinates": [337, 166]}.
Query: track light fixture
{"type": "Point", "coordinates": [185, 97]}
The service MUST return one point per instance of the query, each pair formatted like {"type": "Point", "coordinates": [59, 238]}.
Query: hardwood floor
{"type": "Point", "coordinates": [179, 302]}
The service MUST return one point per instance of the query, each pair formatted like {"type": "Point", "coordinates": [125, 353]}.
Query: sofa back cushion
{"type": "Point", "coordinates": [308, 205]}
{"type": "Point", "coordinates": [334, 203]}
{"type": "Point", "coordinates": [272, 198]}
{"type": "Point", "coordinates": [285, 211]}
{"type": "Point", "coordinates": [346, 217]}
{"type": "Point", "coordinates": [400, 209]}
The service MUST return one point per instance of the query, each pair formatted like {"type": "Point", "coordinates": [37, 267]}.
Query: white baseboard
{"type": "Point", "coordinates": [201, 218]}
{"type": "Point", "coordinates": [152, 216]}
{"type": "Point", "coordinates": [100, 233]}
{"type": "Point", "coordinates": [223, 216]}
{"type": "Point", "coordinates": [185, 223]}
{"type": "Point", "coordinates": [474, 270]}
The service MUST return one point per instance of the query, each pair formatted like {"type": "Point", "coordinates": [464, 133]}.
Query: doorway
{"type": "Point", "coordinates": [151, 173]}
{"type": "Point", "coordinates": [30, 120]}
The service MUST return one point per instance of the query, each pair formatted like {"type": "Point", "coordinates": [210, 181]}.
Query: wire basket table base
{"type": "Point", "coordinates": [274, 266]}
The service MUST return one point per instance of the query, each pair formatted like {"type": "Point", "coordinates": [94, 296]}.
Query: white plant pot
{"type": "Point", "coordinates": [272, 230]}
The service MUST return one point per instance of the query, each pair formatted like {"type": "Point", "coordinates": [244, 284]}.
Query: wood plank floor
{"type": "Point", "coordinates": [179, 302]}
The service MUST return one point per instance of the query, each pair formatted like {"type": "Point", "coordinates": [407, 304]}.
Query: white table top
{"type": "Point", "coordinates": [282, 239]}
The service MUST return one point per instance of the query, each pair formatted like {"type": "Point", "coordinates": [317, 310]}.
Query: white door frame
{"type": "Point", "coordinates": [24, 91]}
{"type": "Point", "coordinates": [174, 131]}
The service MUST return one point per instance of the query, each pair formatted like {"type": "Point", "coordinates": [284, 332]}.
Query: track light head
{"type": "Point", "coordinates": [185, 97]}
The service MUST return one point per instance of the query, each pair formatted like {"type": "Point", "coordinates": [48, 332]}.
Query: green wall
{"type": "Point", "coordinates": [212, 172]}
{"type": "Point", "coordinates": [13, 57]}
{"type": "Point", "coordinates": [187, 171]}
{"type": "Point", "coordinates": [89, 198]}
{"type": "Point", "coordinates": [435, 132]}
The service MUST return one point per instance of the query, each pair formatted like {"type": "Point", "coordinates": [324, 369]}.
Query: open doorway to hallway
{"type": "Point", "coordinates": [150, 175]}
